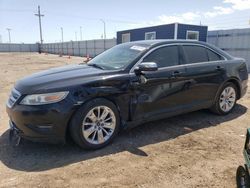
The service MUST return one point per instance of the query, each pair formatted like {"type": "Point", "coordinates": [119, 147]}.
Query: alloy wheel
{"type": "Point", "coordinates": [98, 125]}
{"type": "Point", "coordinates": [227, 99]}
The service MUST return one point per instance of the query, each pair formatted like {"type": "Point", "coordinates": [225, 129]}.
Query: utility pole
{"type": "Point", "coordinates": [40, 24]}
{"type": "Point", "coordinates": [104, 28]}
{"type": "Point", "coordinates": [8, 29]}
{"type": "Point", "coordinates": [62, 33]}
{"type": "Point", "coordinates": [81, 32]}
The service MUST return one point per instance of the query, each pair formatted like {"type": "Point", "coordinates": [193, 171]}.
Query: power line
{"type": "Point", "coordinates": [93, 18]}
{"type": "Point", "coordinates": [40, 24]}
{"type": "Point", "coordinates": [16, 10]}
{"type": "Point", "coordinates": [71, 15]}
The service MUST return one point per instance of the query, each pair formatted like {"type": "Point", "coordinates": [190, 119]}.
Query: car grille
{"type": "Point", "coordinates": [14, 96]}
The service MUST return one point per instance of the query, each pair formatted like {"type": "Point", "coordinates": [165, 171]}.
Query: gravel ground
{"type": "Point", "coordinates": [198, 149]}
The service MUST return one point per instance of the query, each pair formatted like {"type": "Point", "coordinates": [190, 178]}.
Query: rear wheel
{"type": "Point", "coordinates": [95, 124]}
{"type": "Point", "coordinates": [226, 99]}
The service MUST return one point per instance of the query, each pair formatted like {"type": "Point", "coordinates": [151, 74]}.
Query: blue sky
{"type": "Point", "coordinates": [118, 15]}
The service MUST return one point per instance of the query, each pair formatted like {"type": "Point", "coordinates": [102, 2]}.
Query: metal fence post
{"type": "Point", "coordinates": [79, 48]}
{"type": "Point", "coordinates": [104, 45]}
{"type": "Point", "coordinates": [67, 46]}
{"type": "Point", "coordinates": [62, 48]}
{"type": "Point", "coordinates": [94, 48]}
{"type": "Point", "coordinates": [86, 46]}
{"type": "Point", "coordinates": [217, 38]}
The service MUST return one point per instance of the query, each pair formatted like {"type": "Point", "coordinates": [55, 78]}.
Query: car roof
{"type": "Point", "coordinates": [163, 41]}
{"type": "Point", "coordinates": [154, 43]}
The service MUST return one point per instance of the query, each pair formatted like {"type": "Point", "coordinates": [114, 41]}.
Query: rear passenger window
{"type": "Point", "coordinates": [213, 56]}
{"type": "Point", "coordinates": [164, 57]}
{"type": "Point", "coordinates": [195, 54]}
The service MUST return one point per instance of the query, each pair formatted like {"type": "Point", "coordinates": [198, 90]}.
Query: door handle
{"type": "Point", "coordinates": [219, 68]}
{"type": "Point", "coordinates": [176, 74]}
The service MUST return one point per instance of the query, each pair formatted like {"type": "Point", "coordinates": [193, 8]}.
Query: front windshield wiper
{"type": "Point", "coordinates": [96, 66]}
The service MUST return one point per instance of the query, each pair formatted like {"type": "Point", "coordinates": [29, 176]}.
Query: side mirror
{"type": "Point", "coordinates": [146, 66]}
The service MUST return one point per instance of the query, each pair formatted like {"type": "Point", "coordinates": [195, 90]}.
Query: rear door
{"type": "Point", "coordinates": [205, 71]}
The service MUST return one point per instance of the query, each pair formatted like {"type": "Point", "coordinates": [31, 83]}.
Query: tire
{"type": "Point", "coordinates": [226, 99]}
{"type": "Point", "coordinates": [90, 132]}
{"type": "Point", "coordinates": [242, 178]}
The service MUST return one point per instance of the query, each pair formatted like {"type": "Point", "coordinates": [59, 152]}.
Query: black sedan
{"type": "Point", "coordinates": [127, 85]}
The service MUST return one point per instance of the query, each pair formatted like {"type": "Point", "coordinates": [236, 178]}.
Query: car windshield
{"type": "Point", "coordinates": [117, 57]}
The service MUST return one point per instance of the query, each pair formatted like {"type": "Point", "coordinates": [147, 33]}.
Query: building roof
{"type": "Point", "coordinates": [157, 26]}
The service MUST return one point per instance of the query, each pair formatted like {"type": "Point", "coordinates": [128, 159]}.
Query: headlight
{"type": "Point", "coordinates": [46, 98]}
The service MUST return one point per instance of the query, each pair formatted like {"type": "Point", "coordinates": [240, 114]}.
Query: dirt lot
{"type": "Point", "coordinates": [193, 150]}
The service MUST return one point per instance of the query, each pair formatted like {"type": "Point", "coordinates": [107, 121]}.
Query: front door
{"type": "Point", "coordinates": [159, 92]}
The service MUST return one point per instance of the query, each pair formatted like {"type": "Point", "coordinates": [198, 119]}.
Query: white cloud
{"type": "Point", "coordinates": [218, 11]}
{"type": "Point", "coordinates": [239, 4]}
{"type": "Point", "coordinates": [185, 17]}
{"type": "Point", "coordinates": [164, 19]}
{"type": "Point", "coordinates": [194, 17]}
{"type": "Point", "coordinates": [190, 16]}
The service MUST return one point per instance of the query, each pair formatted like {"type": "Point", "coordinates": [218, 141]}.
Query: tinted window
{"type": "Point", "coordinates": [164, 57]}
{"type": "Point", "coordinates": [213, 56]}
{"type": "Point", "coordinates": [195, 54]}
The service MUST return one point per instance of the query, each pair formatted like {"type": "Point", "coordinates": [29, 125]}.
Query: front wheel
{"type": "Point", "coordinates": [95, 124]}
{"type": "Point", "coordinates": [226, 99]}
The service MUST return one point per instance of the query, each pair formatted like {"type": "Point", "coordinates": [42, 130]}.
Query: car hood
{"type": "Point", "coordinates": [60, 78]}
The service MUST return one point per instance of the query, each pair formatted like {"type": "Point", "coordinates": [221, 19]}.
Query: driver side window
{"type": "Point", "coordinates": [164, 57]}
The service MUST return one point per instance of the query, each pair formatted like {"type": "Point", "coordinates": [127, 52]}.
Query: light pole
{"type": "Point", "coordinates": [8, 29]}
{"type": "Point", "coordinates": [104, 28]}
{"type": "Point", "coordinates": [76, 35]}
{"type": "Point", "coordinates": [62, 33]}
{"type": "Point", "coordinates": [81, 32]}
{"type": "Point", "coordinates": [62, 42]}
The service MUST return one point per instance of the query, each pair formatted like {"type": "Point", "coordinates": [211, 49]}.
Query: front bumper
{"type": "Point", "coordinates": [45, 123]}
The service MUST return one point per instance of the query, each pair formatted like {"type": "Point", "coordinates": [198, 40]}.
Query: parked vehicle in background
{"type": "Point", "coordinates": [127, 85]}
{"type": "Point", "coordinates": [242, 174]}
